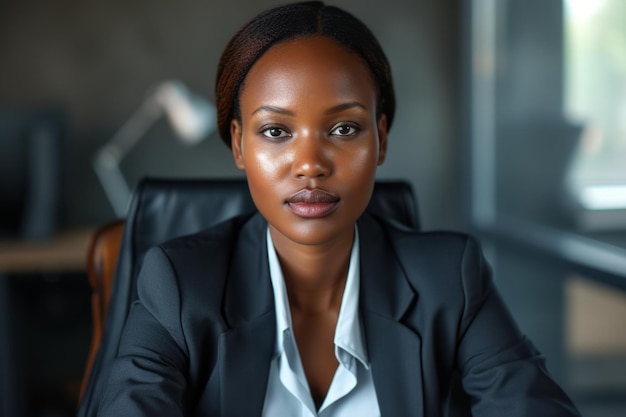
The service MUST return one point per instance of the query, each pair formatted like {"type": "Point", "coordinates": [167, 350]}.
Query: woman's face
{"type": "Point", "coordinates": [309, 139]}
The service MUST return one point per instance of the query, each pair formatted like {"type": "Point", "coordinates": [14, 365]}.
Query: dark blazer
{"type": "Point", "coordinates": [201, 337]}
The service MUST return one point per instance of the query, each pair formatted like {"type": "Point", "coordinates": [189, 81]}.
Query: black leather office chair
{"type": "Point", "coordinates": [164, 209]}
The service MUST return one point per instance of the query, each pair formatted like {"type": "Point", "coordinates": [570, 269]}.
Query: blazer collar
{"type": "Point", "coordinates": [248, 287]}
{"type": "Point", "coordinates": [394, 349]}
{"type": "Point", "coordinates": [246, 349]}
{"type": "Point", "coordinates": [384, 286]}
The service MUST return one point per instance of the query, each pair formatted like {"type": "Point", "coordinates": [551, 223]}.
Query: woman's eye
{"type": "Point", "coordinates": [275, 133]}
{"type": "Point", "coordinates": [344, 130]}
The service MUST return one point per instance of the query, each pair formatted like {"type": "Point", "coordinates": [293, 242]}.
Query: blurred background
{"type": "Point", "coordinates": [511, 125]}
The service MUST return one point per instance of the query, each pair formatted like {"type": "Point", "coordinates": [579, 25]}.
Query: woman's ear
{"type": "Point", "coordinates": [236, 146]}
{"type": "Point", "coordinates": [382, 138]}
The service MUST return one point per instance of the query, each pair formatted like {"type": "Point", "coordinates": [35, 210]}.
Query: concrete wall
{"type": "Point", "coordinates": [96, 60]}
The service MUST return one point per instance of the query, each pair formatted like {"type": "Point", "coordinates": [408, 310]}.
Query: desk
{"type": "Point", "coordinates": [65, 252]}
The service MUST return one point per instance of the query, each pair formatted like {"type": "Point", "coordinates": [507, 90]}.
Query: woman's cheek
{"type": "Point", "coordinates": [265, 163]}
{"type": "Point", "coordinates": [364, 159]}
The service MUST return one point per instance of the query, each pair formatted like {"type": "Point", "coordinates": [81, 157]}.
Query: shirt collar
{"type": "Point", "coordinates": [348, 333]}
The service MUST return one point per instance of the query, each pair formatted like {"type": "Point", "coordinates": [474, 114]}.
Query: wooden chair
{"type": "Point", "coordinates": [101, 262]}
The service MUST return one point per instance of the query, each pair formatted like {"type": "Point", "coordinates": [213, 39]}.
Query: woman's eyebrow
{"type": "Point", "coordinates": [335, 109]}
{"type": "Point", "coordinates": [274, 109]}
{"type": "Point", "coordinates": [345, 106]}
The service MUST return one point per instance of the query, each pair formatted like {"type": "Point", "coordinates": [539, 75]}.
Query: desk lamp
{"type": "Point", "coordinates": [192, 118]}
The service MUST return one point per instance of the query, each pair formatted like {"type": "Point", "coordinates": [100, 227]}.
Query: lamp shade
{"type": "Point", "coordinates": [192, 117]}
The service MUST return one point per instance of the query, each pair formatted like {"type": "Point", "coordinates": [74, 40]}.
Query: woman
{"type": "Point", "coordinates": [310, 307]}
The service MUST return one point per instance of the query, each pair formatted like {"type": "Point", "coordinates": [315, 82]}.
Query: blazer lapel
{"type": "Point", "coordinates": [394, 349]}
{"type": "Point", "coordinates": [244, 357]}
{"type": "Point", "coordinates": [247, 348]}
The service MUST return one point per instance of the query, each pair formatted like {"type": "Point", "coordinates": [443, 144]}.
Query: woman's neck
{"type": "Point", "coordinates": [315, 276]}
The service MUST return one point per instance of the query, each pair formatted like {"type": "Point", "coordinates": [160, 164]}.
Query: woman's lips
{"type": "Point", "coordinates": [312, 203]}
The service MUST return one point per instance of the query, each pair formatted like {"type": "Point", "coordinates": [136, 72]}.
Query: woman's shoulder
{"type": "Point", "coordinates": [445, 260]}
{"type": "Point", "coordinates": [210, 249]}
{"type": "Point", "coordinates": [217, 236]}
{"type": "Point", "coordinates": [449, 243]}
{"type": "Point", "coordinates": [195, 266]}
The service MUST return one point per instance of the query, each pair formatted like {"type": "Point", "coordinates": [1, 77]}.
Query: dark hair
{"type": "Point", "coordinates": [285, 23]}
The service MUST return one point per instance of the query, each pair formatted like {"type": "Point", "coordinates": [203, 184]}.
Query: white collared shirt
{"type": "Point", "coordinates": [351, 392]}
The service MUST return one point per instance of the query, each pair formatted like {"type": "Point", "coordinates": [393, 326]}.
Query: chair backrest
{"type": "Point", "coordinates": [164, 209]}
{"type": "Point", "coordinates": [102, 257]}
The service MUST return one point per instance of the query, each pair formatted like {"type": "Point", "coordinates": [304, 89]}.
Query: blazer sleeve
{"type": "Point", "coordinates": [148, 377]}
{"type": "Point", "coordinates": [502, 371]}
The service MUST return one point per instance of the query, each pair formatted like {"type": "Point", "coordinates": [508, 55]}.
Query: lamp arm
{"type": "Point", "coordinates": [115, 186]}
{"type": "Point", "coordinates": [107, 160]}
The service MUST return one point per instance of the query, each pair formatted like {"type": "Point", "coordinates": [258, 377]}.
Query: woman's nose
{"type": "Point", "coordinates": [312, 158]}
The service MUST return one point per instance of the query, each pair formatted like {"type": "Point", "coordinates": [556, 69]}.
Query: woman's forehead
{"type": "Point", "coordinates": [312, 66]}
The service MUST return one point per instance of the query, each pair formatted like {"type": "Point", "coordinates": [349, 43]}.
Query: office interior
{"type": "Point", "coordinates": [509, 125]}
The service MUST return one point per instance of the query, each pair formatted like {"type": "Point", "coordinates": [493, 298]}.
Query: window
{"type": "Point", "coordinates": [595, 96]}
